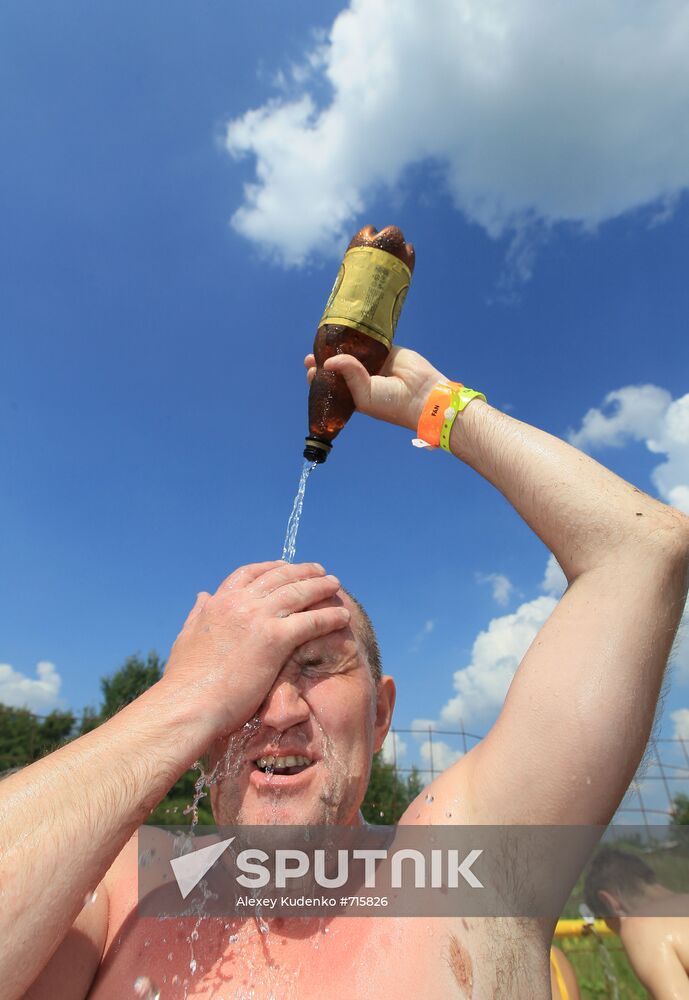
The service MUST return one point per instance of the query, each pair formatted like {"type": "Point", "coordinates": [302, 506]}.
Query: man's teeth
{"type": "Point", "coordinates": [280, 762]}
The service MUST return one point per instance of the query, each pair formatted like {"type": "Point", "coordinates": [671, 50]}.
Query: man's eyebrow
{"type": "Point", "coordinates": [310, 655]}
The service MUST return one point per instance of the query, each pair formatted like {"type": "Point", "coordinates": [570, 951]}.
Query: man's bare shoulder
{"type": "Point", "coordinates": [448, 800]}
{"type": "Point", "coordinates": [657, 928]}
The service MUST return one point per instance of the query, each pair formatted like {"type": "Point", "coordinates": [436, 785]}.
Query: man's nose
{"type": "Point", "coordinates": [285, 705]}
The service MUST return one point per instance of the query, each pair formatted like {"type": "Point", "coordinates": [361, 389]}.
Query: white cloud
{"type": "Point", "coordinates": [680, 721]}
{"type": "Point", "coordinates": [497, 651]}
{"type": "Point", "coordinates": [649, 414]}
{"type": "Point", "coordinates": [554, 580]}
{"type": "Point", "coordinates": [502, 586]}
{"type": "Point", "coordinates": [438, 754]}
{"type": "Point", "coordinates": [635, 412]}
{"type": "Point", "coordinates": [394, 748]}
{"type": "Point", "coordinates": [533, 113]}
{"type": "Point", "coordinates": [39, 694]}
{"type": "Point", "coordinates": [671, 477]}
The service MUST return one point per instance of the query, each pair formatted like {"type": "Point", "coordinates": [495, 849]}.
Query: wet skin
{"type": "Point", "coordinates": [324, 705]}
{"type": "Point", "coordinates": [373, 958]}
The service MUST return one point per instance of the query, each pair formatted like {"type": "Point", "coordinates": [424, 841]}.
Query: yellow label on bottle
{"type": "Point", "coordinates": [368, 293]}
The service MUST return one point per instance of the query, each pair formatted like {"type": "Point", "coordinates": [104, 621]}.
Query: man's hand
{"type": "Point", "coordinates": [234, 642]}
{"type": "Point", "coordinates": [397, 395]}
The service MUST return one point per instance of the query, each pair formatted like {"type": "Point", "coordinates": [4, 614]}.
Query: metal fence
{"type": "Point", "coordinates": [663, 774]}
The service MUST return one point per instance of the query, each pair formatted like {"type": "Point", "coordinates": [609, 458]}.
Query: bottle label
{"type": "Point", "coordinates": [368, 293]}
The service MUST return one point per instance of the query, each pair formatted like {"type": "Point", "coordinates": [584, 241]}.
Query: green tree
{"type": "Point", "coordinates": [90, 719]}
{"type": "Point", "coordinates": [133, 678]}
{"type": "Point", "coordinates": [680, 810]}
{"type": "Point", "coordinates": [56, 729]}
{"type": "Point", "coordinates": [19, 737]}
{"type": "Point", "coordinates": [24, 737]}
{"type": "Point", "coordinates": [388, 795]}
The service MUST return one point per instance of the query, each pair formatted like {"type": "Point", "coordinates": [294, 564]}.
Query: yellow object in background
{"type": "Point", "coordinates": [580, 928]}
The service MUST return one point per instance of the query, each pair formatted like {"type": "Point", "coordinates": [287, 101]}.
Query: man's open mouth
{"type": "Point", "coordinates": [282, 765]}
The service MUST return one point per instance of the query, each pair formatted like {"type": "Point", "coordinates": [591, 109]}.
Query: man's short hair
{"type": "Point", "coordinates": [368, 638]}
{"type": "Point", "coordinates": [619, 873]}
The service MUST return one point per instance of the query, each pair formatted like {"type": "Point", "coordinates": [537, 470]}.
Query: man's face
{"type": "Point", "coordinates": [308, 762]}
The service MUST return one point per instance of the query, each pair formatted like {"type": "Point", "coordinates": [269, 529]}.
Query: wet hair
{"type": "Point", "coordinates": [367, 635]}
{"type": "Point", "coordinates": [624, 875]}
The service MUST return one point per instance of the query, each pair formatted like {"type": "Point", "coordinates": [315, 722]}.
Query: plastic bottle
{"type": "Point", "coordinates": [360, 318]}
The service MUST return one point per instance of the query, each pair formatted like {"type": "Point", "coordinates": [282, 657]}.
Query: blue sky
{"type": "Point", "coordinates": [155, 311]}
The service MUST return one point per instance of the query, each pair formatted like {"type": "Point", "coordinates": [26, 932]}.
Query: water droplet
{"type": "Point", "coordinates": [194, 935]}
{"type": "Point", "coordinates": [90, 897]}
{"type": "Point", "coordinates": [192, 966]}
{"type": "Point", "coordinates": [144, 988]}
{"type": "Point", "coordinates": [234, 938]}
{"type": "Point", "coordinates": [449, 815]}
{"type": "Point", "coordinates": [169, 957]}
{"type": "Point", "coordinates": [429, 798]}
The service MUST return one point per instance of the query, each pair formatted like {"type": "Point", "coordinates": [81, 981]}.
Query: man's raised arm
{"type": "Point", "coordinates": [580, 709]}
{"type": "Point", "coordinates": [64, 819]}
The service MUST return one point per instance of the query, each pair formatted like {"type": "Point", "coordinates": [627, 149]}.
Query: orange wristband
{"type": "Point", "coordinates": [433, 414]}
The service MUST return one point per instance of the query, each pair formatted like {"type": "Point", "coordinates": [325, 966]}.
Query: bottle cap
{"type": "Point", "coordinates": [315, 450]}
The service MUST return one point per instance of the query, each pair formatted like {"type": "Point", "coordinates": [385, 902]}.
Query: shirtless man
{"type": "Point", "coordinates": [284, 642]}
{"type": "Point", "coordinates": [651, 921]}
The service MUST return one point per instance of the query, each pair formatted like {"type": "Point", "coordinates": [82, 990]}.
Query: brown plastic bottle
{"type": "Point", "coordinates": [360, 319]}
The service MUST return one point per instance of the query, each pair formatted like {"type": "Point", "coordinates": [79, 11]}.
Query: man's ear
{"type": "Point", "coordinates": [612, 902]}
{"type": "Point", "coordinates": [385, 703]}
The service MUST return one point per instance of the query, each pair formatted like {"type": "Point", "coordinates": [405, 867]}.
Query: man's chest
{"type": "Point", "coordinates": [348, 958]}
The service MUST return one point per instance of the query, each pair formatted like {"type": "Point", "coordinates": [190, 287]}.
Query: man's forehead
{"type": "Point", "coordinates": [345, 641]}
{"type": "Point", "coordinates": [337, 601]}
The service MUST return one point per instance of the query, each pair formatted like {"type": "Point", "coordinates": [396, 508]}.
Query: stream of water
{"type": "Point", "coordinates": [290, 546]}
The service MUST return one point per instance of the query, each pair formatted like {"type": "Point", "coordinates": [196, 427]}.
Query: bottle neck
{"type": "Point", "coordinates": [316, 450]}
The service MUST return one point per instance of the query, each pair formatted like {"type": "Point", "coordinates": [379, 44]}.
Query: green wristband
{"type": "Point", "coordinates": [459, 401]}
